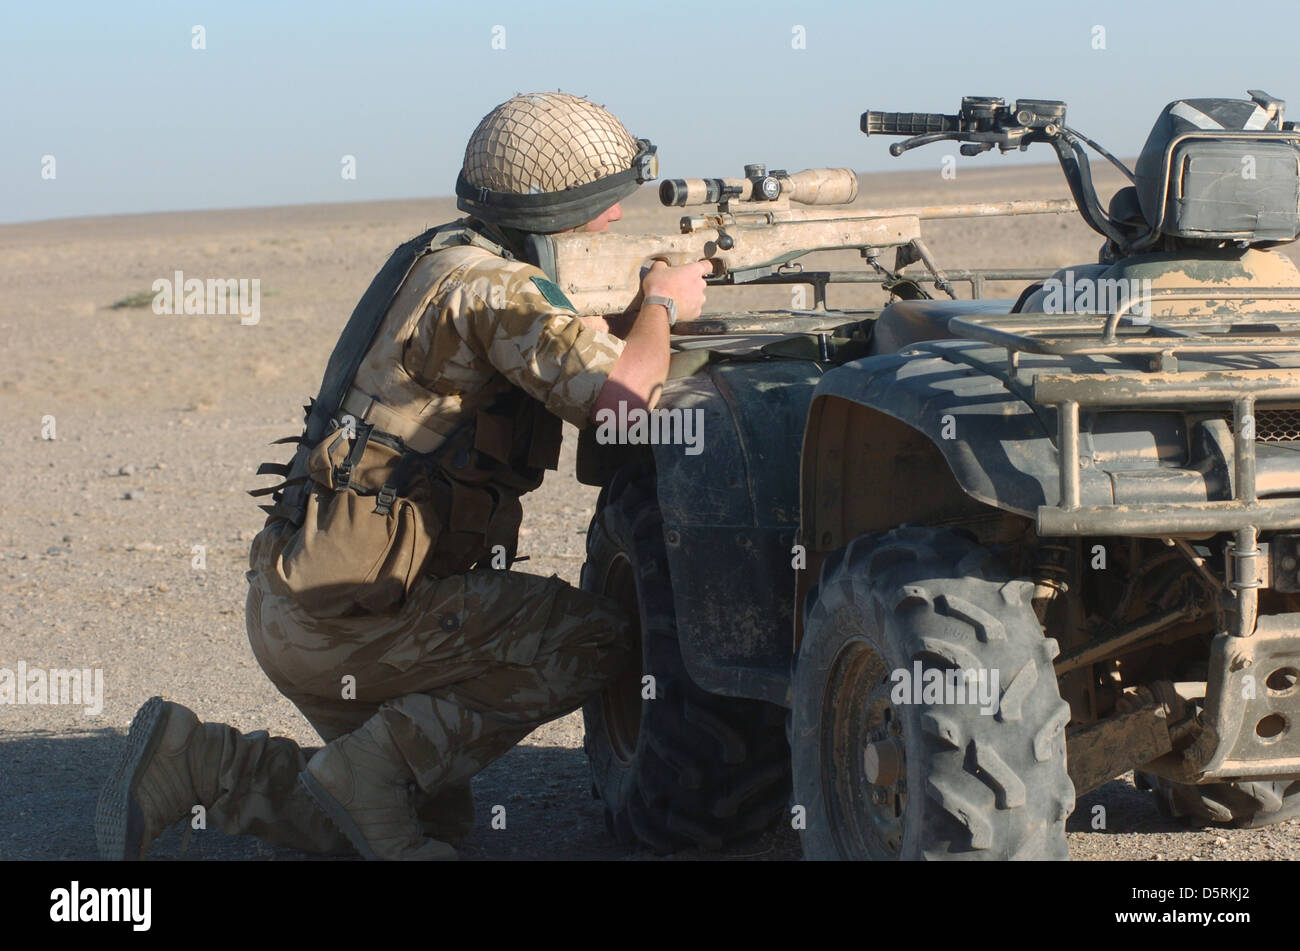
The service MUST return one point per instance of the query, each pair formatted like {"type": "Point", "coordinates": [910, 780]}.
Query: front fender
{"type": "Point", "coordinates": [940, 431]}
{"type": "Point", "coordinates": [923, 434]}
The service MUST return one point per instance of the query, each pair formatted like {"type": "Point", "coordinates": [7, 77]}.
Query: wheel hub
{"type": "Point", "coordinates": [882, 762]}
{"type": "Point", "coordinates": [863, 757]}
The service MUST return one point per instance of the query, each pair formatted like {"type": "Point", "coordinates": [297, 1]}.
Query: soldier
{"type": "Point", "coordinates": [376, 601]}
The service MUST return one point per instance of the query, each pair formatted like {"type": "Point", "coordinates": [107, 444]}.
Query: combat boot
{"type": "Point", "coordinates": [362, 783]}
{"type": "Point", "coordinates": [172, 763]}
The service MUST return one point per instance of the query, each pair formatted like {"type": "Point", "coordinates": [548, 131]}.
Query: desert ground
{"type": "Point", "coordinates": [159, 423]}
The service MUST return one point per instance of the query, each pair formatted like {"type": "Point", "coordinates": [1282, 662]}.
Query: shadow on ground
{"type": "Point", "coordinates": [1123, 809]}
{"type": "Point", "coordinates": [51, 784]}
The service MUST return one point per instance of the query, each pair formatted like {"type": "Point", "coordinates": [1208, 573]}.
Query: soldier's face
{"type": "Point", "coordinates": [611, 214]}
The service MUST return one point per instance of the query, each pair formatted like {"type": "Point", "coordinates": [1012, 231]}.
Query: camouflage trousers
{"type": "Point", "coordinates": [470, 665]}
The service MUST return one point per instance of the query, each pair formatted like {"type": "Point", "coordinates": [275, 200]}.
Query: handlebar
{"type": "Point", "coordinates": [983, 122]}
{"type": "Point", "coordinates": [986, 122]}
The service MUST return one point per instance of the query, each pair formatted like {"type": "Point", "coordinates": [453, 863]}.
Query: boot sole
{"type": "Point", "coordinates": [119, 822]}
{"type": "Point", "coordinates": [338, 815]}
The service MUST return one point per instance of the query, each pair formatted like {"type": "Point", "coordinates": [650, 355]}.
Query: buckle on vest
{"type": "Point", "coordinates": [343, 471]}
{"type": "Point", "coordinates": [385, 499]}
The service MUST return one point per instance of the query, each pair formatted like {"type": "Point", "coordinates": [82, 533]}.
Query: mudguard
{"type": "Point", "coordinates": [730, 515]}
{"type": "Point", "coordinates": [997, 446]}
{"type": "Point", "coordinates": [941, 432]}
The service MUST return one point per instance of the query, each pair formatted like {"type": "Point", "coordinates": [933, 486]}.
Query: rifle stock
{"type": "Point", "coordinates": [601, 273]}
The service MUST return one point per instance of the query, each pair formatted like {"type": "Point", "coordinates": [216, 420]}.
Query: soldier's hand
{"type": "Point", "coordinates": [684, 284]}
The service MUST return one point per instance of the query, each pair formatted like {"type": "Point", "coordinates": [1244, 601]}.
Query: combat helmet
{"type": "Point", "coordinates": [546, 162]}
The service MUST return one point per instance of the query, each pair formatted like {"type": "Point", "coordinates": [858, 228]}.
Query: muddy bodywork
{"type": "Point", "coordinates": [1063, 440]}
{"type": "Point", "coordinates": [1207, 270]}
{"type": "Point", "coordinates": [731, 514]}
{"type": "Point", "coordinates": [998, 444]}
{"type": "Point", "coordinates": [810, 452]}
{"type": "Point", "coordinates": [883, 422]}
{"type": "Point", "coordinates": [942, 431]}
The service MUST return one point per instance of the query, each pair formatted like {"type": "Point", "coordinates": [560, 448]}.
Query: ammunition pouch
{"type": "Point", "coordinates": [361, 546]}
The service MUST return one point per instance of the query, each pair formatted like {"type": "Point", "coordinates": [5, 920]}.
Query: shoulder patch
{"type": "Point", "coordinates": [551, 291]}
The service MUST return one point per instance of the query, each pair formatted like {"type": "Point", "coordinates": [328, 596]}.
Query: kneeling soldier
{"type": "Point", "coordinates": [376, 601]}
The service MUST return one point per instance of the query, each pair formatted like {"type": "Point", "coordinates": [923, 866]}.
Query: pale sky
{"type": "Point", "coordinates": [136, 119]}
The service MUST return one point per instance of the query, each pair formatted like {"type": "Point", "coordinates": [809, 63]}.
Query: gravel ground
{"type": "Point", "coordinates": [159, 423]}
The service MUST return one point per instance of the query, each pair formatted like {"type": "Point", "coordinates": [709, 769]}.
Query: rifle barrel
{"type": "Point", "coordinates": [760, 215]}
{"type": "Point", "coordinates": [978, 209]}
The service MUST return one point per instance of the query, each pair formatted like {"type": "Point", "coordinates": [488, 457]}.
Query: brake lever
{"type": "Point", "coordinates": [898, 148]}
{"type": "Point", "coordinates": [1005, 139]}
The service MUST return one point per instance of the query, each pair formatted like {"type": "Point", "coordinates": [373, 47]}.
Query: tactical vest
{"type": "Point", "coordinates": [380, 492]}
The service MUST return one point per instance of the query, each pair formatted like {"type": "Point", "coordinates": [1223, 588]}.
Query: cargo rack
{"type": "Point", "coordinates": [1160, 340]}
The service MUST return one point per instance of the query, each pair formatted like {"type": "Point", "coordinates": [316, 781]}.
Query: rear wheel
{"type": "Point", "coordinates": [1244, 805]}
{"type": "Point", "coordinates": [675, 766]}
{"type": "Point", "coordinates": [887, 772]}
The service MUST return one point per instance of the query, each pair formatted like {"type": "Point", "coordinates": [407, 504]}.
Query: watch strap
{"type": "Point", "coordinates": [667, 303]}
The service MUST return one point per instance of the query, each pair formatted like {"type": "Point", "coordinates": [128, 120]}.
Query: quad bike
{"type": "Point", "coordinates": [1075, 516]}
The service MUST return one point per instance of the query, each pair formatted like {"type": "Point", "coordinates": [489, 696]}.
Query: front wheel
{"type": "Point", "coordinates": [927, 723]}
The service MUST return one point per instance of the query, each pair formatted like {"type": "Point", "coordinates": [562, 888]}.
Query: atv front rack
{"type": "Point", "coordinates": [1160, 341]}
{"type": "Point", "coordinates": [1077, 334]}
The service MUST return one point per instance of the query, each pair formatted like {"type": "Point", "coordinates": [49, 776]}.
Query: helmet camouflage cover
{"type": "Point", "coordinates": [545, 162]}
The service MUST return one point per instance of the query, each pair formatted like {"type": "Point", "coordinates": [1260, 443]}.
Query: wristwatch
{"type": "Point", "coordinates": [667, 303]}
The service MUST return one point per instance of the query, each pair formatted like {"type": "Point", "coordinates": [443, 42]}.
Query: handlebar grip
{"type": "Point", "coordinates": [907, 123]}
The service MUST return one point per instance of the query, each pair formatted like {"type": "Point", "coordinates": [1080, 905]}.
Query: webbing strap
{"type": "Point", "coordinates": [355, 341]}
{"type": "Point", "coordinates": [360, 331]}
{"type": "Point", "coordinates": [365, 407]}
{"type": "Point", "coordinates": [348, 353]}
